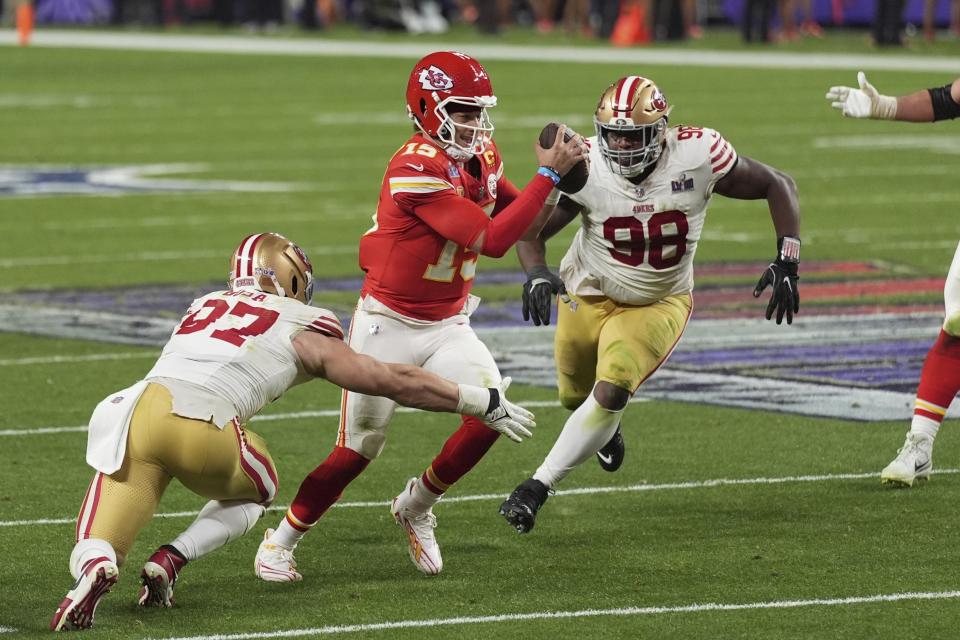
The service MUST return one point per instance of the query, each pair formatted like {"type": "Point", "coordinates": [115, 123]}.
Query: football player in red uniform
{"type": "Point", "coordinates": [940, 378]}
{"type": "Point", "coordinates": [233, 352]}
{"type": "Point", "coordinates": [444, 201]}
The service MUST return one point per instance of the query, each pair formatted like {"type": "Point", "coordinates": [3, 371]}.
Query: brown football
{"type": "Point", "coordinates": [576, 178]}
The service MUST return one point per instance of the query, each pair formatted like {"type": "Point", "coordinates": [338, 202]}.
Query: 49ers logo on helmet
{"type": "Point", "coordinates": [303, 257]}
{"type": "Point", "coordinates": [658, 102]}
{"type": "Point", "coordinates": [433, 78]}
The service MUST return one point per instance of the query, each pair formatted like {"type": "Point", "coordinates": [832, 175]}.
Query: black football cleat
{"type": "Point", "coordinates": [611, 455]}
{"type": "Point", "coordinates": [520, 509]}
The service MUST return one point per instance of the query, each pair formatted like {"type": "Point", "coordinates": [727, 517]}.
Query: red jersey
{"type": "Point", "coordinates": [416, 261]}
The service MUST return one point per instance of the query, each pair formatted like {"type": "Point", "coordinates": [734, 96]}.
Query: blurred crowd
{"type": "Point", "coordinates": [623, 22]}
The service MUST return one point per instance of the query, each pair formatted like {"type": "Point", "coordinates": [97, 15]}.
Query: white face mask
{"type": "Point", "coordinates": [480, 133]}
{"type": "Point", "coordinates": [633, 161]}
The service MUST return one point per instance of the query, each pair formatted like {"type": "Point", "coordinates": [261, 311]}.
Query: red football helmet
{"type": "Point", "coordinates": [444, 78]}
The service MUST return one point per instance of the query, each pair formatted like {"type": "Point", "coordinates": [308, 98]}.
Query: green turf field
{"type": "Point", "coordinates": [670, 554]}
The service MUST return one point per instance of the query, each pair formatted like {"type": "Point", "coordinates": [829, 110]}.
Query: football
{"type": "Point", "coordinates": [576, 178]}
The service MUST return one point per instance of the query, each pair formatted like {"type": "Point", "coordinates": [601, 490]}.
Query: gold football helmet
{"type": "Point", "coordinates": [270, 263]}
{"type": "Point", "coordinates": [634, 113]}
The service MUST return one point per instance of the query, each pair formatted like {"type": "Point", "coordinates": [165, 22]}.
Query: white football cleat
{"type": "Point", "coordinates": [421, 543]}
{"type": "Point", "coordinates": [80, 604]}
{"type": "Point", "coordinates": [914, 461]}
{"type": "Point", "coordinates": [275, 563]}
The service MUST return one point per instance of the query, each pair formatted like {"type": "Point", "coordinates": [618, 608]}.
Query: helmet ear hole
{"type": "Point", "coordinates": [423, 106]}
{"type": "Point", "coordinates": [294, 285]}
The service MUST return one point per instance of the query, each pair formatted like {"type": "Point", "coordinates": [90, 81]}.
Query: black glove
{"type": "Point", "coordinates": [538, 293]}
{"type": "Point", "coordinates": [782, 276]}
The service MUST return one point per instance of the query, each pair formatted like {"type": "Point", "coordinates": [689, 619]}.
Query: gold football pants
{"type": "Point", "coordinates": [219, 464]}
{"type": "Point", "coordinates": [600, 339]}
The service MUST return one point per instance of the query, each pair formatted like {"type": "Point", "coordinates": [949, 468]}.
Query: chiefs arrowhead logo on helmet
{"type": "Point", "coordinates": [434, 78]}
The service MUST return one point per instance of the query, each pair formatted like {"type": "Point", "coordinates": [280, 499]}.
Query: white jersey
{"type": "Point", "coordinates": [232, 353]}
{"type": "Point", "coordinates": [636, 242]}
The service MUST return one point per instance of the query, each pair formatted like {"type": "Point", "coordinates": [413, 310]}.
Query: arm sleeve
{"type": "Point", "coordinates": [510, 225]}
{"type": "Point", "coordinates": [507, 192]}
{"type": "Point", "coordinates": [462, 221]}
{"type": "Point", "coordinates": [454, 217]}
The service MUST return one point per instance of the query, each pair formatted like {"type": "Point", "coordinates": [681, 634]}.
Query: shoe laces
{"type": "Point", "coordinates": [275, 554]}
{"type": "Point", "coordinates": [425, 519]}
{"type": "Point", "coordinates": [915, 446]}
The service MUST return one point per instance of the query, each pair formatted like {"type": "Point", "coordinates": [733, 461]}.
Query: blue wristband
{"type": "Point", "coordinates": [550, 173]}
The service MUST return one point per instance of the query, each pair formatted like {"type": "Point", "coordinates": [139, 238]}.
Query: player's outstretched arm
{"type": "Point", "coordinates": [334, 360]}
{"type": "Point", "coordinates": [527, 211]}
{"type": "Point", "coordinates": [927, 105]}
{"type": "Point", "coordinates": [753, 180]}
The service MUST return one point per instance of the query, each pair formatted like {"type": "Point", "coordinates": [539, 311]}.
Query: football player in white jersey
{"type": "Point", "coordinates": [232, 353]}
{"type": "Point", "coordinates": [940, 377]}
{"type": "Point", "coordinates": [627, 278]}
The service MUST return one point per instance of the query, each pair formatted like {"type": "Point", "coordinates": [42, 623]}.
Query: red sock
{"type": "Point", "coordinates": [940, 379]}
{"type": "Point", "coordinates": [460, 453]}
{"type": "Point", "coordinates": [325, 484]}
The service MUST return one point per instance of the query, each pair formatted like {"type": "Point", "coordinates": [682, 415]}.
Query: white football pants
{"type": "Point", "coordinates": [951, 297]}
{"type": "Point", "coordinates": [448, 348]}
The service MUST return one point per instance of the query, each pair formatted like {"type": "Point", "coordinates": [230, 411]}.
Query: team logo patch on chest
{"type": "Point", "coordinates": [492, 186]}
{"type": "Point", "coordinates": [682, 183]}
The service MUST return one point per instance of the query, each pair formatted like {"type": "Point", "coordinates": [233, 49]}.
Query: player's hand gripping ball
{"type": "Point", "coordinates": [575, 178]}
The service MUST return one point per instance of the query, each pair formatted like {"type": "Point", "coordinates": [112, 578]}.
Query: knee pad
{"type": "Point", "coordinates": [253, 512]}
{"type": "Point", "coordinates": [369, 445]}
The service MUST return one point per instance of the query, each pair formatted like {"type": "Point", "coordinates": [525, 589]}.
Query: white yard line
{"type": "Point", "coordinates": [415, 49]}
{"type": "Point", "coordinates": [93, 357]}
{"type": "Point", "coordinates": [584, 613]}
{"type": "Point", "coordinates": [581, 491]}
{"type": "Point", "coordinates": [270, 417]}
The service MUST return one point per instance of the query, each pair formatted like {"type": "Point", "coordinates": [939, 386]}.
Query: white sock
{"type": "Point", "coordinates": [86, 550]}
{"type": "Point", "coordinates": [217, 524]}
{"type": "Point", "coordinates": [286, 535]}
{"type": "Point", "coordinates": [924, 426]}
{"type": "Point", "coordinates": [585, 432]}
{"type": "Point", "coordinates": [422, 498]}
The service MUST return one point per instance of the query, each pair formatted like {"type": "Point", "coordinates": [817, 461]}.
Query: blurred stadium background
{"type": "Point", "coordinates": [623, 22]}
{"type": "Point", "coordinates": [134, 157]}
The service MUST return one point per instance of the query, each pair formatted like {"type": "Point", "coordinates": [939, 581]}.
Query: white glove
{"type": "Point", "coordinates": [865, 102]}
{"type": "Point", "coordinates": [498, 413]}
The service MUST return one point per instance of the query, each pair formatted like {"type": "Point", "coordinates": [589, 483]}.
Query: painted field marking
{"type": "Point", "coordinates": [583, 613]}
{"type": "Point", "coordinates": [270, 417]}
{"type": "Point", "coordinates": [93, 357]}
{"type": "Point", "coordinates": [581, 491]}
{"type": "Point", "coordinates": [149, 256]}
